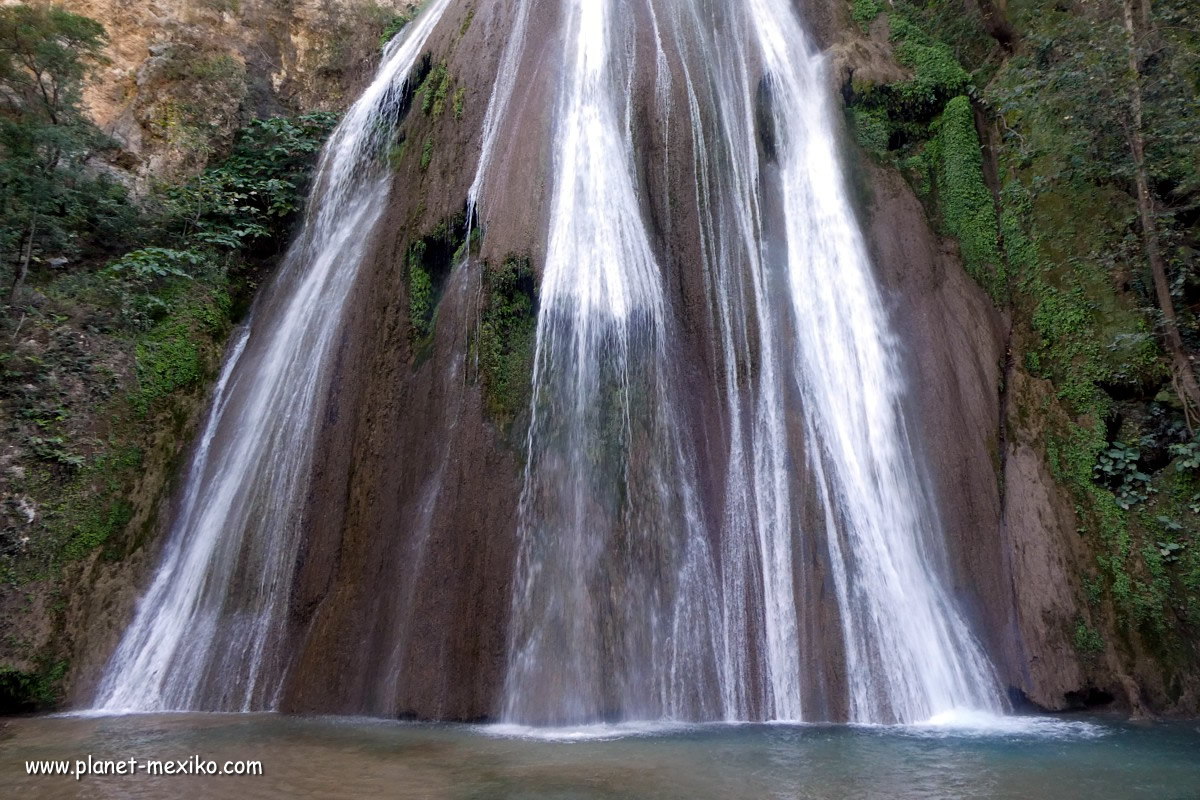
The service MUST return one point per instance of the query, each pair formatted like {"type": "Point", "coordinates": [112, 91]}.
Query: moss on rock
{"type": "Point", "coordinates": [507, 330]}
{"type": "Point", "coordinates": [968, 209]}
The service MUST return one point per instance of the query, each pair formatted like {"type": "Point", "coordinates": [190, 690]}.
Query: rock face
{"type": "Point", "coordinates": [1010, 528]}
{"type": "Point", "coordinates": [184, 74]}
{"type": "Point", "coordinates": [400, 605]}
{"type": "Point", "coordinates": [401, 601]}
{"type": "Point", "coordinates": [418, 615]}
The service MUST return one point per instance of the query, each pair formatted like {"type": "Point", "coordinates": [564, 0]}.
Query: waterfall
{"type": "Point", "coordinates": [206, 633]}
{"type": "Point", "coordinates": [762, 545]}
{"type": "Point", "coordinates": [599, 511]}
{"type": "Point", "coordinates": [623, 606]}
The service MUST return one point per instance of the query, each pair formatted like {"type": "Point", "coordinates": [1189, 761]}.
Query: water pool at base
{"type": "Point", "coordinates": [318, 757]}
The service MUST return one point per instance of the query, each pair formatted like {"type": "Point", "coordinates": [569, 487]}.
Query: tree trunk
{"type": "Point", "coordinates": [1180, 360]}
{"type": "Point", "coordinates": [24, 268]}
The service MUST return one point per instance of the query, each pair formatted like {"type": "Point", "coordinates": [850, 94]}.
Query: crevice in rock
{"type": "Point", "coordinates": [1088, 697]}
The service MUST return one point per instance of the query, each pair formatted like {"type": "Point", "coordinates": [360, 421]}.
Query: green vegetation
{"type": "Point", "coordinates": [171, 357]}
{"type": "Point", "coordinates": [459, 101]}
{"type": "Point", "coordinates": [420, 291]}
{"type": "Point", "coordinates": [397, 23]}
{"type": "Point", "coordinates": [115, 310]}
{"type": "Point", "coordinates": [1117, 468]}
{"type": "Point", "coordinates": [864, 12]}
{"type": "Point", "coordinates": [428, 264]}
{"type": "Point", "coordinates": [507, 328]}
{"type": "Point", "coordinates": [897, 116]}
{"type": "Point", "coordinates": [49, 198]}
{"type": "Point", "coordinates": [118, 311]}
{"type": "Point", "coordinates": [1064, 246]}
{"type": "Point", "coordinates": [427, 153]}
{"type": "Point", "coordinates": [433, 90]}
{"type": "Point", "coordinates": [968, 209]}
{"type": "Point", "coordinates": [936, 74]}
{"type": "Point", "coordinates": [31, 691]}
{"type": "Point", "coordinates": [1087, 640]}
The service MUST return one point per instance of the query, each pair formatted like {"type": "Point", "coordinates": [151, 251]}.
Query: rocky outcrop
{"type": "Point", "coordinates": [182, 75]}
{"type": "Point", "coordinates": [401, 601]}
{"type": "Point", "coordinates": [1010, 528]}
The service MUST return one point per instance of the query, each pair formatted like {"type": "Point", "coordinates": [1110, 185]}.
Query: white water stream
{"type": "Point", "coordinates": [205, 633]}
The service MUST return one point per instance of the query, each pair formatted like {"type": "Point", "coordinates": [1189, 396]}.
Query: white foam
{"type": "Point", "coordinates": [972, 722]}
{"type": "Point", "coordinates": [586, 733]}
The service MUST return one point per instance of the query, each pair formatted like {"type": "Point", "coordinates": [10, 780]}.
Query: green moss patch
{"type": "Point", "coordinates": [507, 332]}
{"type": "Point", "coordinates": [967, 208]}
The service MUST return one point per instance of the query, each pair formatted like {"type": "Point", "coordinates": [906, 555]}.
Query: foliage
{"type": "Point", "coordinates": [507, 330]}
{"type": "Point", "coordinates": [1187, 456]}
{"type": "Point", "coordinates": [240, 209]}
{"type": "Point", "coordinates": [968, 209]}
{"type": "Point", "coordinates": [1070, 91]}
{"type": "Point", "coordinates": [1117, 468]}
{"type": "Point", "coordinates": [253, 196]}
{"type": "Point", "coordinates": [420, 291]}
{"type": "Point", "coordinates": [897, 116]}
{"type": "Point", "coordinates": [432, 90]}
{"type": "Point", "coordinates": [393, 27]}
{"type": "Point", "coordinates": [865, 11]}
{"type": "Point", "coordinates": [53, 448]}
{"type": "Point", "coordinates": [170, 355]}
{"type": "Point", "coordinates": [50, 199]}
{"type": "Point", "coordinates": [428, 263]}
{"type": "Point", "coordinates": [22, 691]}
{"type": "Point", "coordinates": [871, 128]}
{"type": "Point", "coordinates": [937, 75]}
{"type": "Point", "coordinates": [1065, 232]}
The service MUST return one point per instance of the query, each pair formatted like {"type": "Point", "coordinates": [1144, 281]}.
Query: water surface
{"type": "Point", "coordinates": [308, 757]}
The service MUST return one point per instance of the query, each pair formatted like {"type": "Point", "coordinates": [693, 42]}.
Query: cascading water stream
{"type": "Point", "coordinates": [621, 610]}
{"type": "Point", "coordinates": [205, 634]}
{"type": "Point", "coordinates": [598, 511]}
{"type": "Point", "coordinates": [909, 654]}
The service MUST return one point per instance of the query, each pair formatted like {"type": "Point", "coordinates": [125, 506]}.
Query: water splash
{"type": "Point", "coordinates": [206, 634]}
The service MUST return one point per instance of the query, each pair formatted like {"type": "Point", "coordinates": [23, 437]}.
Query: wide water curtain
{"type": "Point", "coordinates": [207, 633]}
{"type": "Point", "coordinates": [631, 600]}
{"type": "Point", "coordinates": [721, 513]}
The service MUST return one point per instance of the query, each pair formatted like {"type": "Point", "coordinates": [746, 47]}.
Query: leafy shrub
{"type": "Point", "coordinates": [937, 75]}
{"type": "Point", "coordinates": [865, 11]}
{"type": "Point", "coordinates": [1187, 456]}
{"type": "Point", "coordinates": [54, 448]}
{"type": "Point", "coordinates": [1117, 468]}
{"type": "Point", "coordinates": [254, 195]}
